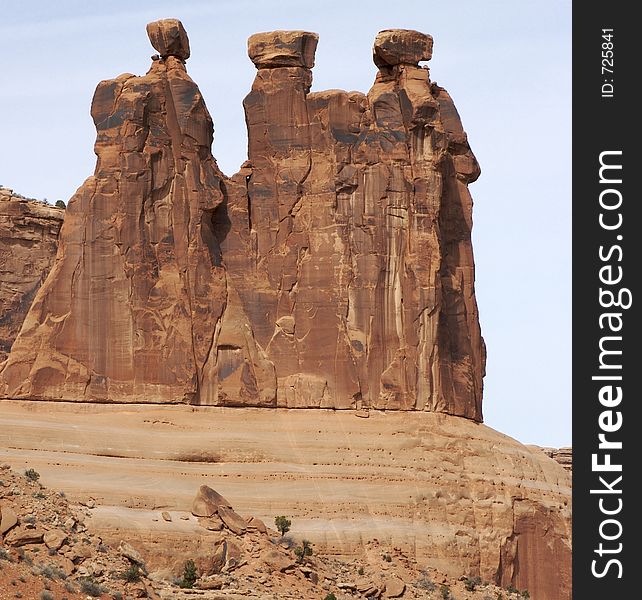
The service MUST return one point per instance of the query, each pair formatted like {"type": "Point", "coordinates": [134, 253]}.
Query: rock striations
{"type": "Point", "coordinates": [350, 233]}
{"type": "Point", "coordinates": [28, 240]}
{"type": "Point", "coordinates": [335, 270]}
{"type": "Point", "coordinates": [138, 307]}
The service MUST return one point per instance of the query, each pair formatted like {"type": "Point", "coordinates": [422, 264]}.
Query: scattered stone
{"type": "Point", "coordinates": [54, 538]}
{"type": "Point", "coordinates": [255, 523]}
{"type": "Point", "coordinates": [166, 516]}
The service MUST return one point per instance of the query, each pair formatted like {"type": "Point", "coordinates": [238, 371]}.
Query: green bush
{"type": "Point", "coordinates": [131, 575]}
{"type": "Point", "coordinates": [283, 524]}
{"type": "Point", "coordinates": [32, 475]}
{"type": "Point", "coordinates": [45, 595]}
{"type": "Point", "coordinates": [445, 592]}
{"type": "Point", "coordinates": [302, 551]}
{"type": "Point", "coordinates": [60, 204]}
{"type": "Point", "coordinates": [189, 575]}
{"type": "Point", "coordinates": [330, 596]}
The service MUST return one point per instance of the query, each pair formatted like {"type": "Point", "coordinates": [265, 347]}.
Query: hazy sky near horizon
{"type": "Point", "coordinates": [506, 64]}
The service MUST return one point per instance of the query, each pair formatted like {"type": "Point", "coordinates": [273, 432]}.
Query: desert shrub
{"type": "Point", "coordinates": [131, 575]}
{"type": "Point", "coordinates": [283, 524]}
{"type": "Point", "coordinates": [387, 557]}
{"type": "Point", "coordinates": [52, 572]}
{"type": "Point", "coordinates": [189, 575]}
{"type": "Point", "coordinates": [425, 584]}
{"type": "Point", "coordinates": [445, 592]}
{"type": "Point", "coordinates": [70, 587]}
{"type": "Point", "coordinates": [4, 555]}
{"type": "Point", "coordinates": [60, 204]}
{"type": "Point", "coordinates": [302, 551]}
{"type": "Point", "coordinates": [117, 596]}
{"type": "Point", "coordinates": [32, 475]}
{"type": "Point", "coordinates": [46, 595]}
{"type": "Point", "coordinates": [360, 571]}
{"type": "Point", "coordinates": [90, 587]}
{"type": "Point", "coordinates": [525, 594]}
{"type": "Point", "coordinates": [39, 496]}
{"type": "Point", "coordinates": [330, 596]}
{"type": "Point", "coordinates": [471, 583]}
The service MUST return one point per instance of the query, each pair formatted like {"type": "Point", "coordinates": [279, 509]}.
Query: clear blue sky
{"type": "Point", "coordinates": [507, 65]}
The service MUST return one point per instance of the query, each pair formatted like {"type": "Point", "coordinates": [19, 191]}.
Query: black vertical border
{"type": "Point", "coordinates": [605, 124]}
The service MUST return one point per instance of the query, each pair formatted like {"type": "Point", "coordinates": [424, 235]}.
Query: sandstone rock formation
{"type": "Point", "coordinates": [28, 241]}
{"type": "Point", "coordinates": [448, 493]}
{"type": "Point", "coordinates": [335, 270]}
{"type": "Point", "coordinates": [137, 307]}
{"type": "Point", "coordinates": [349, 240]}
{"type": "Point", "coordinates": [564, 456]}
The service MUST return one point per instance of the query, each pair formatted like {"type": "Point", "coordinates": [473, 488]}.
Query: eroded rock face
{"type": "Point", "coordinates": [28, 241]}
{"type": "Point", "coordinates": [335, 270]}
{"type": "Point", "coordinates": [350, 233]}
{"type": "Point", "coordinates": [138, 307]}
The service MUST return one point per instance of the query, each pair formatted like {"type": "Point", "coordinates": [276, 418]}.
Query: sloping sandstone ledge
{"type": "Point", "coordinates": [456, 494]}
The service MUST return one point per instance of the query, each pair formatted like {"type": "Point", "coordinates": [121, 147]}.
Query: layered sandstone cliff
{"type": "Point", "coordinates": [138, 307]}
{"type": "Point", "coordinates": [334, 270]}
{"type": "Point", "coordinates": [350, 233]}
{"type": "Point", "coordinates": [28, 240]}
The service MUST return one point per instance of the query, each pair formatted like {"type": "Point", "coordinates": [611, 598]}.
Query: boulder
{"type": "Point", "coordinates": [23, 536]}
{"type": "Point", "coordinates": [401, 46]}
{"type": "Point", "coordinates": [8, 519]}
{"type": "Point", "coordinates": [207, 502]}
{"type": "Point", "coordinates": [54, 538]}
{"type": "Point", "coordinates": [282, 49]}
{"type": "Point", "coordinates": [169, 37]}
{"type": "Point", "coordinates": [255, 523]}
{"type": "Point", "coordinates": [233, 521]}
{"type": "Point", "coordinates": [130, 553]}
{"type": "Point", "coordinates": [277, 561]}
{"type": "Point", "coordinates": [394, 587]}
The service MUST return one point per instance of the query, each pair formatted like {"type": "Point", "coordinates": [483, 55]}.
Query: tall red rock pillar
{"type": "Point", "coordinates": [350, 235]}
{"type": "Point", "coordinates": [137, 307]}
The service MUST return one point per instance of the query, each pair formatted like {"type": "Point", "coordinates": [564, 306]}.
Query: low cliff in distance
{"type": "Point", "coordinates": [28, 241]}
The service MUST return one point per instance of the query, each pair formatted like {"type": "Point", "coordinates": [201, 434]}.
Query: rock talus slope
{"type": "Point", "coordinates": [28, 241]}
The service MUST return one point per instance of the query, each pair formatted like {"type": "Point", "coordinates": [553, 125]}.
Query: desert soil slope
{"type": "Point", "coordinates": [424, 483]}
